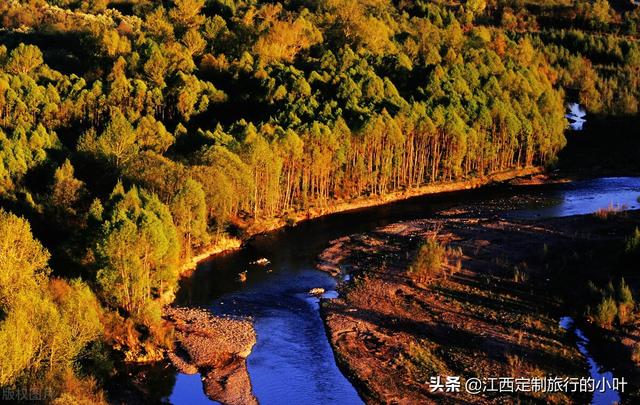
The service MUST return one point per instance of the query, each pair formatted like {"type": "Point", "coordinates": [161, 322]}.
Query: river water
{"type": "Point", "coordinates": [604, 394]}
{"type": "Point", "coordinates": [292, 361]}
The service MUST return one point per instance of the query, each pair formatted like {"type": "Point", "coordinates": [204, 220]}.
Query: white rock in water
{"type": "Point", "coordinates": [316, 291]}
{"type": "Point", "coordinates": [261, 262]}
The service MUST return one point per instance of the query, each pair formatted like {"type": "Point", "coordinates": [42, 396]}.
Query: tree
{"type": "Point", "coordinates": [227, 181]}
{"type": "Point", "coordinates": [94, 6]}
{"type": "Point", "coordinates": [186, 13]}
{"type": "Point", "coordinates": [193, 96]}
{"type": "Point", "coordinates": [429, 259]}
{"type": "Point", "coordinates": [193, 42]}
{"type": "Point", "coordinates": [66, 189]}
{"type": "Point", "coordinates": [360, 23]}
{"type": "Point", "coordinates": [475, 7]}
{"type": "Point", "coordinates": [151, 134]}
{"type": "Point", "coordinates": [155, 68]}
{"type": "Point", "coordinates": [79, 321]}
{"type": "Point", "coordinates": [284, 39]}
{"type": "Point", "coordinates": [117, 141]}
{"type": "Point", "coordinates": [24, 59]}
{"type": "Point", "coordinates": [23, 259]}
{"type": "Point", "coordinates": [265, 167]}
{"type": "Point", "coordinates": [46, 324]}
{"type": "Point", "coordinates": [606, 312]}
{"type": "Point", "coordinates": [157, 24]}
{"type": "Point", "coordinates": [189, 211]}
{"type": "Point", "coordinates": [22, 150]}
{"type": "Point", "coordinates": [626, 304]}
{"type": "Point", "coordinates": [598, 13]}
{"type": "Point", "coordinates": [137, 251]}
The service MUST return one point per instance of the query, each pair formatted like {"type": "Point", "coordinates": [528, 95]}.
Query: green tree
{"type": "Point", "coordinates": [117, 141]}
{"type": "Point", "coordinates": [137, 251]}
{"type": "Point", "coordinates": [152, 134]}
{"type": "Point", "coordinates": [189, 211]}
{"type": "Point", "coordinates": [429, 259]}
{"type": "Point", "coordinates": [46, 324]}
{"type": "Point", "coordinates": [155, 68]}
{"type": "Point", "coordinates": [23, 259]}
{"type": "Point", "coordinates": [606, 311]}
{"type": "Point", "coordinates": [24, 59]}
{"type": "Point", "coordinates": [626, 304]}
{"type": "Point", "coordinates": [284, 39]}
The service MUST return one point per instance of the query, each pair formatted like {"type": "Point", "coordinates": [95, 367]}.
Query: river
{"type": "Point", "coordinates": [292, 361]}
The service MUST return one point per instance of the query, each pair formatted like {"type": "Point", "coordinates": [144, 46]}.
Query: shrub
{"type": "Point", "coordinates": [611, 302]}
{"type": "Point", "coordinates": [429, 260]}
{"type": "Point", "coordinates": [605, 213]}
{"type": "Point", "coordinates": [423, 363]}
{"type": "Point", "coordinates": [515, 365]}
{"type": "Point", "coordinates": [633, 242]}
{"type": "Point", "coordinates": [625, 300]}
{"type": "Point", "coordinates": [635, 353]}
{"type": "Point", "coordinates": [624, 294]}
{"type": "Point", "coordinates": [520, 275]}
{"type": "Point", "coordinates": [606, 312]}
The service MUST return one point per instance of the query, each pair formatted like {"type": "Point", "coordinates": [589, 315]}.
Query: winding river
{"type": "Point", "coordinates": [292, 361]}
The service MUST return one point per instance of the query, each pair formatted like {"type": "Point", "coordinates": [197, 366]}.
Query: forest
{"type": "Point", "coordinates": [135, 132]}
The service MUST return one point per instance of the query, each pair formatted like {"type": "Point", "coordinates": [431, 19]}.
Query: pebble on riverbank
{"type": "Point", "coordinates": [206, 337]}
{"type": "Point", "coordinates": [215, 346]}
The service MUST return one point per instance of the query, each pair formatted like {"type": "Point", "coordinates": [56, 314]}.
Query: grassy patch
{"type": "Point", "coordinates": [422, 362]}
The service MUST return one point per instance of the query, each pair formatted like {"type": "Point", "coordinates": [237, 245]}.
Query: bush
{"type": "Point", "coordinates": [633, 242]}
{"type": "Point", "coordinates": [605, 213]}
{"type": "Point", "coordinates": [612, 302]}
{"type": "Point", "coordinates": [635, 353]}
{"type": "Point", "coordinates": [520, 275]}
{"type": "Point", "coordinates": [624, 294]}
{"type": "Point", "coordinates": [606, 312]}
{"type": "Point", "coordinates": [626, 304]}
{"type": "Point", "coordinates": [423, 362]}
{"type": "Point", "coordinates": [429, 260]}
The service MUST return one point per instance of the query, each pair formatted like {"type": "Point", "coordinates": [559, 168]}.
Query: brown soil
{"type": "Point", "coordinates": [537, 179]}
{"type": "Point", "coordinates": [216, 347]}
{"type": "Point", "coordinates": [491, 312]}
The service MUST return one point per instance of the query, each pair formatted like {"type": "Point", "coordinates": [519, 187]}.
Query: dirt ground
{"type": "Point", "coordinates": [493, 310]}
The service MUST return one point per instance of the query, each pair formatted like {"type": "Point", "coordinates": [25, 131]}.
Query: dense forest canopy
{"type": "Point", "coordinates": [132, 132]}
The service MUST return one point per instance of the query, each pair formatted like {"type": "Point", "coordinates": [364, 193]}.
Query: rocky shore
{"type": "Point", "coordinates": [217, 348]}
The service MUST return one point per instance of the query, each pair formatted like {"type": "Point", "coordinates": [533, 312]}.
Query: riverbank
{"type": "Point", "coordinates": [227, 244]}
{"type": "Point", "coordinates": [221, 245]}
{"type": "Point", "coordinates": [535, 174]}
{"type": "Point", "coordinates": [372, 201]}
{"type": "Point", "coordinates": [493, 310]}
